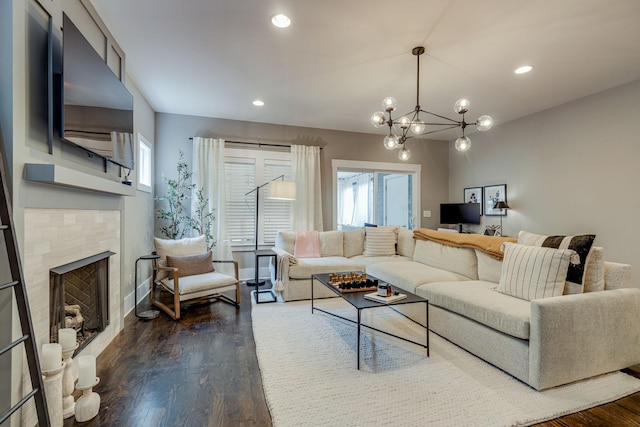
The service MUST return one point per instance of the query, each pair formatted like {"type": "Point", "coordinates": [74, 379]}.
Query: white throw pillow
{"type": "Point", "coordinates": [379, 241]}
{"type": "Point", "coordinates": [180, 247]}
{"type": "Point", "coordinates": [533, 272]}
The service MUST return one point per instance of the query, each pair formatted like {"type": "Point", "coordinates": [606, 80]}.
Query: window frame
{"type": "Point", "coordinates": [144, 144]}
{"type": "Point", "coordinates": [368, 166]}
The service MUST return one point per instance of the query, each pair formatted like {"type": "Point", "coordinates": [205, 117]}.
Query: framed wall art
{"type": "Point", "coordinates": [473, 195]}
{"type": "Point", "coordinates": [493, 194]}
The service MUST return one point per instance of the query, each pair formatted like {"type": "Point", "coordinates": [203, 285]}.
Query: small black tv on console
{"type": "Point", "coordinates": [460, 213]}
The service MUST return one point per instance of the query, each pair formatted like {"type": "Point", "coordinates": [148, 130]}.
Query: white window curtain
{"type": "Point", "coordinates": [362, 200]}
{"type": "Point", "coordinates": [209, 175]}
{"type": "Point", "coordinates": [307, 208]}
{"type": "Point", "coordinates": [346, 199]}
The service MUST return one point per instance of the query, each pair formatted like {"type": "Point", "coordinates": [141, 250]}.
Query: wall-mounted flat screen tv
{"type": "Point", "coordinates": [460, 213]}
{"type": "Point", "coordinates": [97, 112]}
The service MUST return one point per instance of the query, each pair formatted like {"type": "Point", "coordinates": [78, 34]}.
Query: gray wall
{"type": "Point", "coordinates": [21, 129]}
{"type": "Point", "coordinates": [571, 169]}
{"type": "Point", "coordinates": [173, 133]}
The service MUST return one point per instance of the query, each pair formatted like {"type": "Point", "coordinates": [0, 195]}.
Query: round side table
{"type": "Point", "coordinates": [147, 314]}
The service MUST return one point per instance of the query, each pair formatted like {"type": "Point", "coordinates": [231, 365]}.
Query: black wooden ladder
{"type": "Point", "coordinates": [17, 283]}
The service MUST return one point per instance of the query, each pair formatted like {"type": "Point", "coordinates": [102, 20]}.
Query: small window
{"type": "Point", "coordinates": [144, 164]}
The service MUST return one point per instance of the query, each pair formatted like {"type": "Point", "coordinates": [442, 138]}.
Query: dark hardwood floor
{"type": "Point", "coordinates": [203, 371]}
{"type": "Point", "coordinates": [199, 371]}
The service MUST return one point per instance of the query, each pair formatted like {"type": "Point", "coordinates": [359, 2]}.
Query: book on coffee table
{"type": "Point", "coordinates": [385, 300]}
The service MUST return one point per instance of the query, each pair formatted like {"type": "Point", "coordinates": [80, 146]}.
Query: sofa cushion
{"type": "Point", "coordinates": [379, 241]}
{"type": "Point", "coordinates": [594, 272]}
{"type": "Point", "coordinates": [410, 274]}
{"type": "Point", "coordinates": [307, 244]}
{"type": "Point", "coordinates": [406, 243]}
{"type": "Point", "coordinates": [458, 260]}
{"type": "Point", "coordinates": [353, 242]}
{"type": "Point", "coordinates": [478, 300]}
{"type": "Point", "coordinates": [286, 240]}
{"type": "Point", "coordinates": [581, 244]}
{"type": "Point", "coordinates": [190, 265]}
{"type": "Point", "coordinates": [331, 243]}
{"type": "Point", "coordinates": [371, 260]}
{"type": "Point", "coordinates": [305, 267]}
{"type": "Point", "coordinates": [617, 276]}
{"type": "Point", "coordinates": [199, 283]}
{"type": "Point", "coordinates": [489, 268]}
{"type": "Point", "coordinates": [532, 272]}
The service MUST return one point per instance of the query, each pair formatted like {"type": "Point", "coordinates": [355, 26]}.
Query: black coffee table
{"type": "Point", "coordinates": [359, 302]}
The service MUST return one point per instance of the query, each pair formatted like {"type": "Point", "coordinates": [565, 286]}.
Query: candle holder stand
{"type": "Point", "coordinates": [53, 391]}
{"type": "Point", "coordinates": [68, 382]}
{"type": "Point", "coordinates": [88, 404]}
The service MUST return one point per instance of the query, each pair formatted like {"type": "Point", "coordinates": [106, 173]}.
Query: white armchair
{"type": "Point", "coordinates": [186, 270]}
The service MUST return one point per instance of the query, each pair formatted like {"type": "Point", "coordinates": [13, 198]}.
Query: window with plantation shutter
{"type": "Point", "coordinates": [245, 170]}
{"type": "Point", "coordinates": [276, 213]}
{"type": "Point", "coordinates": [241, 209]}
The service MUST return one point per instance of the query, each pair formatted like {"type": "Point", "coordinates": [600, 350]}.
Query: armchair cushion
{"type": "Point", "coordinates": [200, 284]}
{"type": "Point", "coordinates": [181, 247]}
{"type": "Point", "coordinates": [190, 265]}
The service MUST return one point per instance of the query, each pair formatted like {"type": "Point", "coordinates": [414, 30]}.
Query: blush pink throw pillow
{"type": "Point", "coordinates": [307, 244]}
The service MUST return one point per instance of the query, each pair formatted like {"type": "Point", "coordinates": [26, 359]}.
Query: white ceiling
{"type": "Point", "coordinates": [339, 58]}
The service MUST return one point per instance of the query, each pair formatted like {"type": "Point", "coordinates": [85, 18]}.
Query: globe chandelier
{"type": "Point", "coordinates": [411, 125]}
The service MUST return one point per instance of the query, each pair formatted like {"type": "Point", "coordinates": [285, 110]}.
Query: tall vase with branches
{"type": "Point", "coordinates": [178, 222]}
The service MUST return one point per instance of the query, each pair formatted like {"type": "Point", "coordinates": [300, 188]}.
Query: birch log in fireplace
{"type": "Point", "coordinates": [80, 297]}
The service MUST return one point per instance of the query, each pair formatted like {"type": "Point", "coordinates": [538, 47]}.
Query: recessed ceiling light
{"type": "Point", "coordinates": [258, 103]}
{"type": "Point", "coordinates": [281, 21]}
{"type": "Point", "coordinates": [524, 69]}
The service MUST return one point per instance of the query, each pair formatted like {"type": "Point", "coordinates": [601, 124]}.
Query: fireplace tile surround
{"type": "Point", "coordinates": [54, 237]}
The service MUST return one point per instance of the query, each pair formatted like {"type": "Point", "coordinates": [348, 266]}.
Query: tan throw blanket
{"type": "Point", "coordinates": [487, 244]}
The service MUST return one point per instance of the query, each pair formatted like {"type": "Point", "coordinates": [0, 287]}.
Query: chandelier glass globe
{"type": "Point", "coordinates": [484, 123]}
{"type": "Point", "coordinates": [404, 154]}
{"type": "Point", "coordinates": [463, 143]}
{"type": "Point", "coordinates": [391, 142]}
{"type": "Point", "coordinates": [378, 119]}
{"type": "Point", "coordinates": [389, 103]}
{"type": "Point", "coordinates": [461, 106]}
{"type": "Point", "coordinates": [418, 126]}
{"type": "Point", "coordinates": [404, 122]}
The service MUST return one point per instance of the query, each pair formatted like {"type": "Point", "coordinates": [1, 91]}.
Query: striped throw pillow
{"type": "Point", "coordinates": [379, 241]}
{"type": "Point", "coordinates": [532, 272]}
{"type": "Point", "coordinates": [582, 244]}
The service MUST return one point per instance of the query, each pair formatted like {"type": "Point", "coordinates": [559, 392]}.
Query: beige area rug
{"type": "Point", "coordinates": [308, 365]}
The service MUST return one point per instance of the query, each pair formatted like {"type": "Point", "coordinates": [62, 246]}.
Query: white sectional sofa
{"type": "Point", "coordinates": [544, 342]}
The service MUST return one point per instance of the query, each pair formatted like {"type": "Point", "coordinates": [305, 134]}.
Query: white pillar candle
{"type": "Point", "coordinates": [67, 337]}
{"type": "Point", "coordinates": [51, 357]}
{"type": "Point", "coordinates": [86, 370]}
